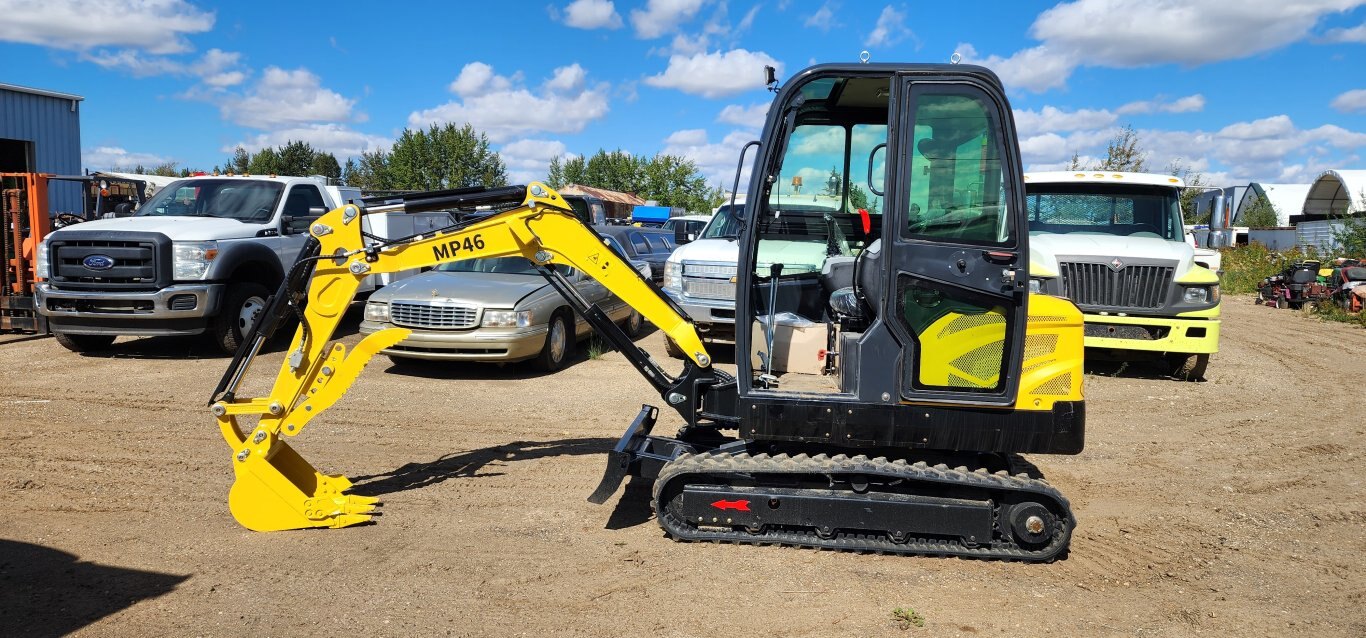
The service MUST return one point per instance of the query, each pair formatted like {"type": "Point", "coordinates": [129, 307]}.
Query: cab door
{"type": "Point", "coordinates": [958, 233]}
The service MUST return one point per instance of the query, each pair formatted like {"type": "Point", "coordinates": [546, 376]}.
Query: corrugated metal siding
{"type": "Point", "coordinates": [55, 130]}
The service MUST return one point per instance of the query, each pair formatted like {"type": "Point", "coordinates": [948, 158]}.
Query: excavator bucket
{"type": "Point", "coordinates": [276, 489]}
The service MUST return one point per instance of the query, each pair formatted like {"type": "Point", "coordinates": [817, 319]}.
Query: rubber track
{"type": "Point", "coordinates": [1002, 547]}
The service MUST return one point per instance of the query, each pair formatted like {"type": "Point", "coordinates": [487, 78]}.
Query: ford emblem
{"type": "Point", "coordinates": [98, 262]}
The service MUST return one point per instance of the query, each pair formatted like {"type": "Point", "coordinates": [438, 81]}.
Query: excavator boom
{"type": "Point", "coordinates": [275, 487]}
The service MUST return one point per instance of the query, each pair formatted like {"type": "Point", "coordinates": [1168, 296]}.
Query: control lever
{"type": "Point", "coordinates": [774, 272]}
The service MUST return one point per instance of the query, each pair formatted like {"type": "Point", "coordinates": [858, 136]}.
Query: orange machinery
{"type": "Point", "coordinates": [25, 219]}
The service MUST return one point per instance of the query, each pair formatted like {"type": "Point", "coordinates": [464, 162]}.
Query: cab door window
{"type": "Point", "coordinates": [956, 190]}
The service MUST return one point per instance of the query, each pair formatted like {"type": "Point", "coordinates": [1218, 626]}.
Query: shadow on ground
{"type": "Point", "coordinates": [475, 464]}
{"type": "Point", "coordinates": [47, 592]}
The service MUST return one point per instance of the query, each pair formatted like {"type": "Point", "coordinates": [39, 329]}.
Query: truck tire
{"type": "Point", "coordinates": [672, 349]}
{"type": "Point", "coordinates": [1189, 367]}
{"type": "Point", "coordinates": [634, 324]}
{"type": "Point", "coordinates": [559, 344]}
{"type": "Point", "coordinates": [243, 304]}
{"type": "Point", "coordinates": [84, 343]}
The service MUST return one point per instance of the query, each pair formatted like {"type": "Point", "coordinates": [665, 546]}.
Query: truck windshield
{"type": "Point", "coordinates": [245, 201]}
{"type": "Point", "coordinates": [1134, 211]}
{"type": "Point", "coordinates": [723, 224]}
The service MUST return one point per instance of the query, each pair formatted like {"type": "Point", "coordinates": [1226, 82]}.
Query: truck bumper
{"type": "Point", "coordinates": [476, 344]}
{"type": "Point", "coordinates": [714, 318]}
{"type": "Point", "coordinates": [1153, 334]}
{"type": "Point", "coordinates": [174, 310]}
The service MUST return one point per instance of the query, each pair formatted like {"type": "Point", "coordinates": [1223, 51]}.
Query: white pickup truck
{"type": "Point", "coordinates": [201, 256]}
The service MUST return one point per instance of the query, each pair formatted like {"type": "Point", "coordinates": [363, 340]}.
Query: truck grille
{"type": "Point", "coordinates": [134, 262]}
{"type": "Point", "coordinates": [1132, 286]}
{"type": "Point", "coordinates": [442, 315]}
{"type": "Point", "coordinates": [709, 281]}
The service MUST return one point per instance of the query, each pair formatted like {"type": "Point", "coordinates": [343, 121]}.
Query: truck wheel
{"type": "Point", "coordinates": [1189, 367]}
{"type": "Point", "coordinates": [241, 308]}
{"type": "Point", "coordinates": [84, 343]}
{"type": "Point", "coordinates": [559, 344]}
{"type": "Point", "coordinates": [672, 348]}
{"type": "Point", "coordinates": [634, 324]}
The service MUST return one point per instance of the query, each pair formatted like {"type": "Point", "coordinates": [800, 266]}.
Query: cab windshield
{"type": "Point", "coordinates": [1094, 209]}
{"type": "Point", "coordinates": [244, 201]}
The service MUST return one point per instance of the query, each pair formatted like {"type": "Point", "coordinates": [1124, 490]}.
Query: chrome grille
{"type": "Point", "coordinates": [1133, 286]}
{"type": "Point", "coordinates": [709, 281]}
{"type": "Point", "coordinates": [447, 315]}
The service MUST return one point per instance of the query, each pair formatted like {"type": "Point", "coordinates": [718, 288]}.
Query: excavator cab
{"type": "Point", "coordinates": [891, 365]}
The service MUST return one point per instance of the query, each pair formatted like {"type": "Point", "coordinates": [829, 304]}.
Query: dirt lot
{"type": "Point", "coordinates": [1233, 507]}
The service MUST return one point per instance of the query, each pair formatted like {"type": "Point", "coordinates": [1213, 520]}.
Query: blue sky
{"type": "Point", "coordinates": [1264, 90]}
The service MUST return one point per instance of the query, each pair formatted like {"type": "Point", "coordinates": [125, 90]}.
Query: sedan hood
{"type": "Point", "coordinates": [177, 228]}
{"type": "Point", "coordinates": [491, 290]}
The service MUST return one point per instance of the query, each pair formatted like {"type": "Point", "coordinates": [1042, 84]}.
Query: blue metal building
{"type": "Point", "coordinates": [40, 132]}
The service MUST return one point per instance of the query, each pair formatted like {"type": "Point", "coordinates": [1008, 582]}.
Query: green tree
{"type": "Point", "coordinates": [296, 158]}
{"type": "Point", "coordinates": [167, 169]}
{"type": "Point", "coordinates": [325, 164]}
{"type": "Point", "coordinates": [1351, 238]}
{"type": "Point", "coordinates": [1260, 213]}
{"type": "Point", "coordinates": [265, 162]}
{"type": "Point", "coordinates": [670, 180]}
{"type": "Point", "coordinates": [1195, 185]}
{"type": "Point", "coordinates": [1075, 164]}
{"type": "Point", "coordinates": [1123, 153]}
{"type": "Point", "coordinates": [240, 162]}
{"type": "Point", "coordinates": [438, 158]}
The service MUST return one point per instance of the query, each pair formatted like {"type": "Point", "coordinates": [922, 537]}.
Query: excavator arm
{"type": "Point", "coordinates": [275, 488]}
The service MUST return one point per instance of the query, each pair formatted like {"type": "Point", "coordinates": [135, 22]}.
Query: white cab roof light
{"type": "Point", "coordinates": [1103, 177]}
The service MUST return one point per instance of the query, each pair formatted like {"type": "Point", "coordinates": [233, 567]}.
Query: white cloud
{"type": "Point", "coordinates": [1136, 33]}
{"type": "Point", "coordinates": [592, 14]}
{"type": "Point", "coordinates": [337, 139]}
{"type": "Point", "coordinates": [823, 18]}
{"type": "Point", "coordinates": [154, 26]}
{"type": "Point", "coordinates": [1188, 104]}
{"type": "Point", "coordinates": [1355, 34]}
{"type": "Point", "coordinates": [216, 68]}
{"type": "Point", "coordinates": [501, 108]}
{"type": "Point", "coordinates": [1351, 101]}
{"type": "Point", "coordinates": [284, 98]}
{"type": "Point", "coordinates": [1036, 69]}
{"type": "Point", "coordinates": [715, 74]}
{"type": "Point", "coordinates": [528, 160]}
{"type": "Point", "coordinates": [567, 78]}
{"type": "Point", "coordinates": [751, 116]}
{"type": "Point", "coordinates": [891, 28]}
{"type": "Point", "coordinates": [663, 16]}
{"type": "Point", "coordinates": [110, 157]}
{"type": "Point", "coordinates": [1274, 126]}
{"type": "Point", "coordinates": [716, 161]}
{"type": "Point", "coordinates": [1050, 119]}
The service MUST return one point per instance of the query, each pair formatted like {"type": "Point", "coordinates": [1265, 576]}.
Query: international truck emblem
{"type": "Point", "coordinates": [1116, 264]}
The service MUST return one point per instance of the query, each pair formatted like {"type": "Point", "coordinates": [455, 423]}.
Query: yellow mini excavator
{"type": "Point", "coordinates": [891, 364]}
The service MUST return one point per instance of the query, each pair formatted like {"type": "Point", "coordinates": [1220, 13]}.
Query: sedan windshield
{"type": "Point", "coordinates": [503, 265]}
{"type": "Point", "coordinates": [245, 201]}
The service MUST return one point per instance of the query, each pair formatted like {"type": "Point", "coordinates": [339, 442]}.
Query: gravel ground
{"type": "Point", "coordinates": [1227, 508]}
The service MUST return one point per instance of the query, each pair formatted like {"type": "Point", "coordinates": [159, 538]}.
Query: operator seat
{"type": "Point", "coordinates": [865, 283]}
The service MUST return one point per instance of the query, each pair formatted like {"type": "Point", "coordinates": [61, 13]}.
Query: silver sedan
{"type": "Point", "coordinates": [498, 310]}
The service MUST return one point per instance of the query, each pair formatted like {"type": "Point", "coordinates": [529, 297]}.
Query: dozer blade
{"type": "Point", "coordinates": [280, 490]}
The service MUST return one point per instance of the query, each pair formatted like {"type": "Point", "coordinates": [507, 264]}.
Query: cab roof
{"type": "Point", "coordinates": [1103, 177]}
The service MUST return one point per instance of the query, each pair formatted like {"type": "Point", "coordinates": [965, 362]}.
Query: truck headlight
{"type": "Point", "coordinates": [192, 258]}
{"type": "Point", "coordinates": [40, 262]}
{"type": "Point", "coordinates": [1201, 294]}
{"type": "Point", "coordinates": [673, 276]}
{"type": "Point", "coordinates": [377, 312]}
{"type": "Point", "coordinates": [506, 319]}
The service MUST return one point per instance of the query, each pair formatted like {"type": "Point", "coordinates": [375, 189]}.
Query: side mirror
{"type": "Point", "coordinates": [681, 235]}
{"type": "Point", "coordinates": [316, 211]}
{"type": "Point", "coordinates": [291, 225]}
{"type": "Point", "coordinates": [123, 209]}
